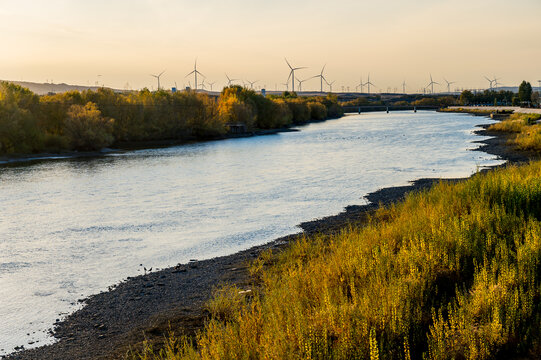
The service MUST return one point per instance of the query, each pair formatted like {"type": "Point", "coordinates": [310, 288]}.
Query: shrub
{"type": "Point", "coordinates": [318, 111]}
{"type": "Point", "coordinates": [86, 129]}
{"type": "Point", "coordinates": [232, 110]}
{"type": "Point", "coordinates": [299, 110]}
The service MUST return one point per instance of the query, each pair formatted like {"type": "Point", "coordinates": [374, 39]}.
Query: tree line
{"type": "Point", "coordinates": [92, 120]}
{"type": "Point", "coordinates": [525, 97]}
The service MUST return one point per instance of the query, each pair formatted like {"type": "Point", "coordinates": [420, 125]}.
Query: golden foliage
{"type": "Point", "coordinates": [450, 273]}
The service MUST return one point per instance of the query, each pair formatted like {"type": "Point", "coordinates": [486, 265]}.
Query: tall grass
{"type": "Point", "coordinates": [524, 126]}
{"type": "Point", "coordinates": [450, 273]}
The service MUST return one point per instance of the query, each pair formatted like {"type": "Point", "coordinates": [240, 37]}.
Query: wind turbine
{"type": "Point", "coordinates": [496, 82]}
{"type": "Point", "coordinates": [211, 84]}
{"type": "Point", "coordinates": [431, 84]}
{"type": "Point", "coordinates": [286, 85]}
{"type": "Point", "coordinates": [368, 83]}
{"type": "Point", "coordinates": [330, 84]}
{"type": "Point", "coordinates": [292, 74]}
{"type": "Point", "coordinates": [404, 87]}
{"type": "Point", "coordinates": [252, 83]}
{"type": "Point", "coordinates": [301, 81]}
{"type": "Point", "coordinates": [449, 83]}
{"type": "Point", "coordinates": [158, 77]}
{"type": "Point", "coordinates": [361, 85]}
{"type": "Point", "coordinates": [490, 82]}
{"type": "Point", "coordinates": [195, 72]}
{"type": "Point", "coordinates": [229, 81]}
{"type": "Point", "coordinates": [321, 78]}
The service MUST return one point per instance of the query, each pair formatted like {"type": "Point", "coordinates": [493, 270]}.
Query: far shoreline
{"type": "Point", "coordinates": [113, 320]}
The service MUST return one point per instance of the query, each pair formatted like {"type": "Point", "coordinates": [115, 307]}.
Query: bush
{"type": "Point", "coordinates": [232, 110]}
{"type": "Point", "coordinates": [299, 110]}
{"type": "Point", "coordinates": [318, 111]}
{"type": "Point", "coordinates": [19, 131]}
{"type": "Point", "coordinates": [86, 129]}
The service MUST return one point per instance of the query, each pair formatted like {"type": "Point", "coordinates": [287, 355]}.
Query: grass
{"type": "Point", "coordinates": [526, 130]}
{"type": "Point", "coordinates": [449, 273]}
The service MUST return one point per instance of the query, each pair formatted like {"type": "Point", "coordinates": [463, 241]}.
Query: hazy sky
{"type": "Point", "coordinates": [73, 41]}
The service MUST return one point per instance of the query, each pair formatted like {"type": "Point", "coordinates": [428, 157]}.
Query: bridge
{"type": "Point", "coordinates": [387, 108]}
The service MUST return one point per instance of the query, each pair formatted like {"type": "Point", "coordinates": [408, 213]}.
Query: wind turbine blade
{"type": "Point", "coordinates": [190, 73]}
{"type": "Point", "coordinates": [289, 77]}
{"type": "Point", "coordinates": [288, 64]}
{"type": "Point", "coordinates": [323, 69]}
{"type": "Point", "coordinates": [161, 73]}
{"type": "Point", "coordinates": [298, 68]}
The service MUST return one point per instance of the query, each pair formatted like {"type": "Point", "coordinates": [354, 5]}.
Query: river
{"type": "Point", "coordinates": [70, 228]}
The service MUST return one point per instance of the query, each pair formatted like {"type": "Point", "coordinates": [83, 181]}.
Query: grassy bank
{"type": "Point", "coordinates": [92, 120]}
{"type": "Point", "coordinates": [451, 273]}
{"type": "Point", "coordinates": [526, 132]}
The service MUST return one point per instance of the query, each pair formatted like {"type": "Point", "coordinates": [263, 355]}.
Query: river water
{"type": "Point", "coordinates": [70, 228]}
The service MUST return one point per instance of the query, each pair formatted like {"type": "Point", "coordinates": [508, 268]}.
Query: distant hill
{"type": "Point", "coordinates": [45, 88]}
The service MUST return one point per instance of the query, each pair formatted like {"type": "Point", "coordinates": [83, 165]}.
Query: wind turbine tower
{"type": "Point", "coordinates": [368, 83]}
{"type": "Point", "coordinates": [404, 87]}
{"type": "Point", "coordinates": [321, 78]}
{"type": "Point", "coordinates": [157, 77]}
{"type": "Point", "coordinates": [292, 74]}
{"type": "Point", "coordinates": [360, 85]}
{"type": "Point", "coordinates": [195, 72]}
{"type": "Point", "coordinates": [496, 82]}
{"type": "Point", "coordinates": [330, 84]}
{"type": "Point", "coordinates": [449, 83]}
{"type": "Point", "coordinates": [490, 82]}
{"type": "Point", "coordinates": [252, 83]}
{"type": "Point", "coordinates": [431, 84]}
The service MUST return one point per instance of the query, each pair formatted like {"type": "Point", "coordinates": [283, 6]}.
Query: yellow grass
{"type": "Point", "coordinates": [528, 132]}
{"type": "Point", "coordinates": [451, 273]}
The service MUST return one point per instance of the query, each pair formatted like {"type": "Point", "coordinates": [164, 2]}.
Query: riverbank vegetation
{"type": "Point", "coordinates": [439, 101]}
{"type": "Point", "coordinates": [92, 120]}
{"type": "Point", "coordinates": [524, 97]}
{"type": "Point", "coordinates": [525, 130]}
{"type": "Point", "coordinates": [449, 273]}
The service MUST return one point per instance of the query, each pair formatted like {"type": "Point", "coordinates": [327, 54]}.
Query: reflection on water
{"type": "Point", "coordinates": [70, 228]}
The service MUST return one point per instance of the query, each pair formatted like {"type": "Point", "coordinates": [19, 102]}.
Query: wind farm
{"type": "Point", "coordinates": [220, 180]}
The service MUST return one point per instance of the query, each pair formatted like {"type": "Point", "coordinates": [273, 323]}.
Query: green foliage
{"type": "Point", "coordinates": [29, 123]}
{"type": "Point", "coordinates": [19, 132]}
{"type": "Point", "coordinates": [525, 92]}
{"type": "Point", "coordinates": [466, 97]}
{"type": "Point", "coordinates": [450, 273]}
{"type": "Point", "coordinates": [86, 129]}
{"type": "Point", "coordinates": [487, 97]}
{"type": "Point", "coordinates": [318, 111]}
{"type": "Point", "coordinates": [299, 109]}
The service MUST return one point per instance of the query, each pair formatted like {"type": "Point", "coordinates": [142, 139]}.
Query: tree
{"type": "Point", "coordinates": [466, 97]}
{"type": "Point", "coordinates": [535, 98]}
{"type": "Point", "coordinates": [525, 92]}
